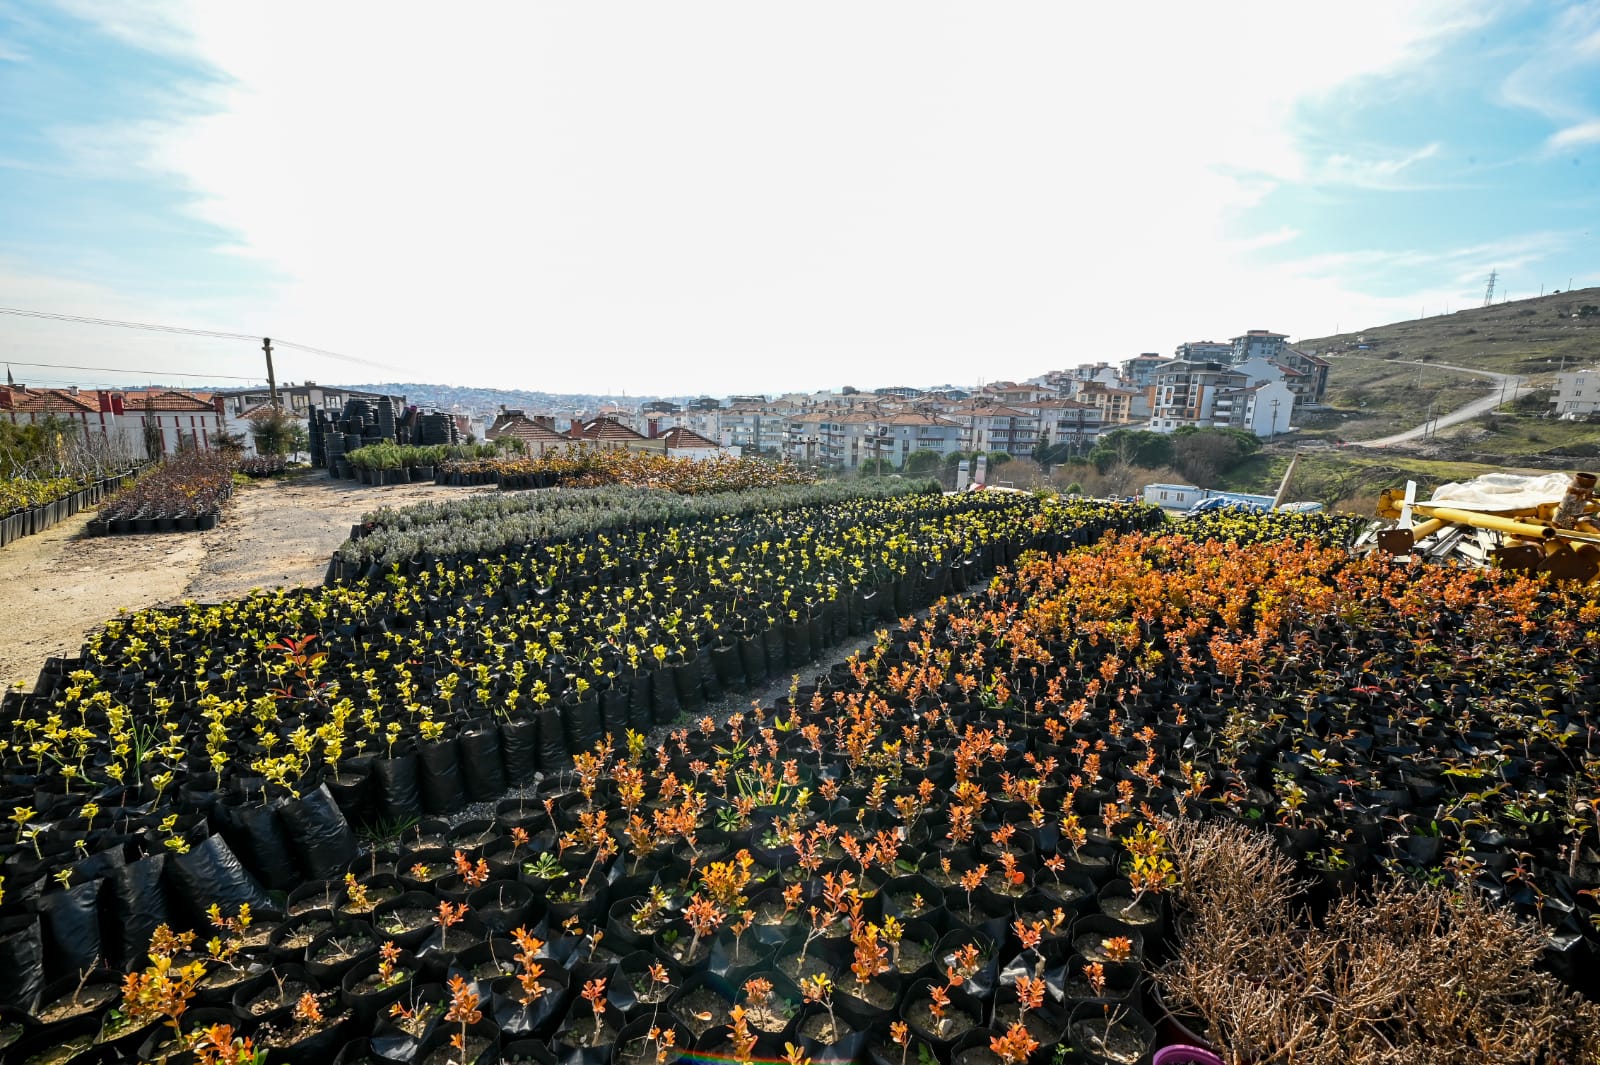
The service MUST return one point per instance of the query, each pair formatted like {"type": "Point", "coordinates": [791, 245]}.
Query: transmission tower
{"type": "Point", "coordinates": [1488, 293]}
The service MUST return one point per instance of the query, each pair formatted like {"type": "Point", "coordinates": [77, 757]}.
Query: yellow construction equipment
{"type": "Point", "coordinates": [1529, 524]}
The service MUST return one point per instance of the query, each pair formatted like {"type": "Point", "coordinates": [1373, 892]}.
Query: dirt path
{"type": "Point", "coordinates": [1510, 386]}
{"type": "Point", "coordinates": [59, 587]}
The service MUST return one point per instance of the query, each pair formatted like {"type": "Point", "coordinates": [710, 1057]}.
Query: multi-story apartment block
{"type": "Point", "coordinates": [1009, 393]}
{"type": "Point", "coordinates": [1117, 405]}
{"type": "Point", "coordinates": [1257, 343]}
{"type": "Point", "coordinates": [1140, 370]}
{"type": "Point", "coordinates": [1263, 408]}
{"type": "Point", "coordinates": [1185, 392]}
{"type": "Point", "coordinates": [902, 435]}
{"type": "Point", "coordinates": [1200, 351]}
{"type": "Point", "coordinates": [988, 426]}
{"type": "Point", "coordinates": [1305, 374]}
{"type": "Point", "coordinates": [754, 427]}
{"type": "Point", "coordinates": [1066, 421]}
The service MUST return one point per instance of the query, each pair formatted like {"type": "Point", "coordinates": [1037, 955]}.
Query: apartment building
{"type": "Point", "coordinates": [1186, 391]}
{"type": "Point", "coordinates": [1065, 421]}
{"type": "Point", "coordinates": [989, 426]}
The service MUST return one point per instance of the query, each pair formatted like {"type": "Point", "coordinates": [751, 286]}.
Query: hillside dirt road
{"type": "Point", "coordinates": [1508, 387]}
{"type": "Point", "coordinates": [59, 586]}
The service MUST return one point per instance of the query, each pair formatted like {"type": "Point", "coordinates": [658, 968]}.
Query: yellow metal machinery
{"type": "Point", "coordinates": [1560, 537]}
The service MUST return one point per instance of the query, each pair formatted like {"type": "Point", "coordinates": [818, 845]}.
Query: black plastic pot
{"type": "Point", "coordinates": [1087, 1027]}
{"type": "Point", "coordinates": [482, 770]}
{"type": "Point", "coordinates": [519, 750]}
{"type": "Point", "coordinates": [398, 795]}
{"type": "Point", "coordinates": [21, 961]}
{"type": "Point", "coordinates": [503, 905]}
{"type": "Point", "coordinates": [439, 777]}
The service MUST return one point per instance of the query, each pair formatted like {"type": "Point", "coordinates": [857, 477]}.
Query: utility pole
{"type": "Point", "coordinates": [272, 380]}
{"type": "Point", "coordinates": [1488, 295]}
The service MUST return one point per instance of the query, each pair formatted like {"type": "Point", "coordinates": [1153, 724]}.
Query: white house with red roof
{"type": "Point", "coordinates": [141, 422]}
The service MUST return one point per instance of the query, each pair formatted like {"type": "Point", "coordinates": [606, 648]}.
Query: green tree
{"type": "Point", "coordinates": [1203, 454]}
{"type": "Point", "coordinates": [876, 468]}
{"type": "Point", "coordinates": [274, 431]}
{"type": "Point", "coordinates": [1123, 448]}
{"type": "Point", "coordinates": [953, 459]}
{"type": "Point", "coordinates": [922, 461]}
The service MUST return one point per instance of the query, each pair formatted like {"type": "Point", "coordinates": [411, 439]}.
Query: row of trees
{"type": "Point", "coordinates": [927, 462]}
{"type": "Point", "coordinates": [55, 447]}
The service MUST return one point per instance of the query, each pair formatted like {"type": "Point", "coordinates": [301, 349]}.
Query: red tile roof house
{"type": "Point", "coordinates": [683, 442]}
{"type": "Point", "coordinates": [538, 434]}
{"type": "Point", "coordinates": [172, 417]}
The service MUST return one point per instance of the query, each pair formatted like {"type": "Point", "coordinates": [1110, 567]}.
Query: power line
{"type": "Point", "coordinates": [123, 325]}
{"type": "Point", "coordinates": [83, 320]}
{"type": "Point", "coordinates": [120, 369]}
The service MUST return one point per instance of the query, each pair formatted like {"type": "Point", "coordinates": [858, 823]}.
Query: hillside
{"type": "Point", "coordinates": [1529, 337]}
{"type": "Point", "coordinates": [1387, 378]}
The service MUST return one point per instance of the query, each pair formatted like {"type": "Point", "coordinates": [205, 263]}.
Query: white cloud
{"type": "Point", "coordinates": [1271, 239]}
{"type": "Point", "coordinates": [728, 196]}
{"type": "Point", "coordinates": [154, 25]}
{"type": "Point", "coordinates": [1575, 136]}
{"type": "Point", "coordinates": [1556, 78]}
{"type": "Point", "coordinates": [1373, 172]}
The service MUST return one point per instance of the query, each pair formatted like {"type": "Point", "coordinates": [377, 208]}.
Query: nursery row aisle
{"type": "Point", "coordinates": [60, 586]}
{"type": "Point", "coordinates": [281, 532]}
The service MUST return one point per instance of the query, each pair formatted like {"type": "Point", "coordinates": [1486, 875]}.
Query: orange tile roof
{"type": "Point", "coordinates": [681, 436]}
{"type": "Point", "coordinates": [167, 399]}
{"type": "Point", "coordinates": [607, 429]}
{"type": "Point", "coordinates": [50, 400]}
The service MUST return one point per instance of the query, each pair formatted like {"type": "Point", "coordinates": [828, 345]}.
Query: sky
{"type": "Point", "coordinates": [751, 196]}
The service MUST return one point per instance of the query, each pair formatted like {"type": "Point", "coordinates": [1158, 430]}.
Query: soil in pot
{"type": "Point", "coordinates": [403, 919]}
{"type": "Point", "coordinates": [702, 1010]}
{"type": "Point", "coordinates": [449, 1055]}
{"type": "Point", "coordinates": [909, 957]}
{"type": "Point", "coordinates": [87, 999]}
{"type": "Point", "coordinates": [1110, 1034]}
{"type": "Point", "coordinates": [798, 968]}
{"type": "Point", "coordinates": [276, 996]}
{"type": "Point", "coordinates": [975, 1055]}
{"type": "Point", "coordinates": [956, 1022]}
{"type": "Point", "coordinates": [640, 1049]}
{"type": "Point", "coordinates": [300, 937]}
{"type": "Point", "coordinates": [581, 1032]}
{"type": "Point", "coordinates": [824, 1029]}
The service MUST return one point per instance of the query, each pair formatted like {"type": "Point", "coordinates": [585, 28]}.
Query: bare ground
{"type": "Point", "coordinates": [60, 586]}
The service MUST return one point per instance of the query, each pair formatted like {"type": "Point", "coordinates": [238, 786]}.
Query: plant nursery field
{"type": "Point", "coordinates": [1098, 785]}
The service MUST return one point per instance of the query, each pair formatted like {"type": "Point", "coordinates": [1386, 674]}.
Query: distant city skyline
{"type": "Point", "coordinates": [720, 197]}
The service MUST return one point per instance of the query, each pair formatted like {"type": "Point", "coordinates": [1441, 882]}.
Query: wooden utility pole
{"type": "Point", "coordinates": [1283, 486]}
{"type": "Point", "coordinates": [272, 380]}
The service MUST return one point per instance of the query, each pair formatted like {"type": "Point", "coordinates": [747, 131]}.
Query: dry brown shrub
{"type": "Point", "coordinates": [1411, 976]}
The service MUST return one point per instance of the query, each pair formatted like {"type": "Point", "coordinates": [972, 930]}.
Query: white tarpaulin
{"type": "Point", "coordinates": [1497, 492]}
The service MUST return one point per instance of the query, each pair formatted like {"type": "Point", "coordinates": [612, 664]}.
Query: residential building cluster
{"type": "Point", "coordinates": [152, 422]}
{"type": "Point", "coordinates": [1255, 382]}
{"type": "Point", "coordinates": [847, 427]}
